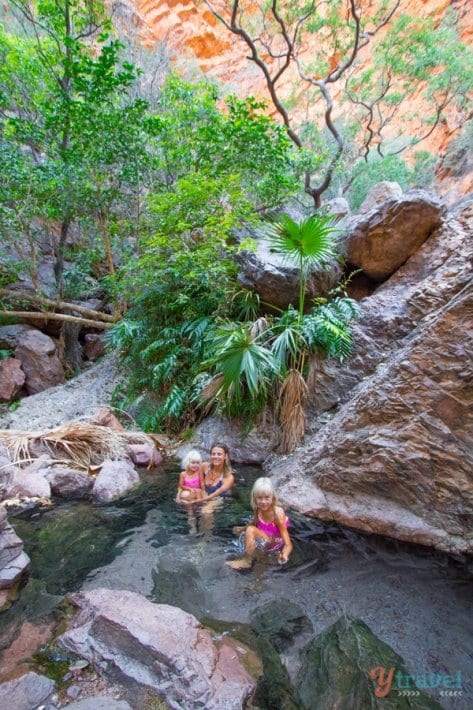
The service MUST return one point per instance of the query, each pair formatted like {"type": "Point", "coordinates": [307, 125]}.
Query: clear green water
{"type": "Point", "coordinates": [414, 599]}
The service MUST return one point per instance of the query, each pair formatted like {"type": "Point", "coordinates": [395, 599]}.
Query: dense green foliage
{"type": "Point", "coordinates": [140, 202]}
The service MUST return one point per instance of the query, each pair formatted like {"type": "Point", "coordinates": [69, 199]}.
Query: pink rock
{"type": "Point", "coordinates": [114, 479]}
{"type": "Point", "coordinates": [12, 378]}
{"type": "Point", "coordinates": [29, 485]}
{"type": "Point", "coordinates": [161, 647]}
{"type": "Point", "coordinates": [144, 454]}
{"type": "Point", "coordinates": [381, 240]}
{"type": "Point", "coordinates": [39, 361]}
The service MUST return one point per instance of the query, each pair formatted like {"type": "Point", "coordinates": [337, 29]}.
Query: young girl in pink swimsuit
{"type": "Point", "coordinates": [268, 530]}
{"type": "Point", "coordinates": [191, 482]}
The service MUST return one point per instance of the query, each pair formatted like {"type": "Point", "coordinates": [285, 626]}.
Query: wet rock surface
{"type": "Point", "coordinates": [13, 561]}
{"type": "Point", "coordinates": [27, 692]}
{"type": "Point", "coordinates": [336, 669]}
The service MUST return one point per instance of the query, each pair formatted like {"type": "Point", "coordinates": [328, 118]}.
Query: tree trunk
{"type": "Point", "coordinates": [72, 347]}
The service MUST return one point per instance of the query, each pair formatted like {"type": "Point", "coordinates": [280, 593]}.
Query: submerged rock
{"type": "Point", "coordinates": [159, 647]}
{"type": "Point", "coordinates": [338, 668]}
{"type": "Point", "coordinates": [13, 561]}
{"type": "Point", "coordinates": [280, 621]}
{"type": "Point", "coordinates": [27, 692]}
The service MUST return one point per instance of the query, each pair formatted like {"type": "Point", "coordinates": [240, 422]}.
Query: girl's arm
{"type": "Point", "coordinates": [202, 482]}
{"type": "Point", "coordinates": [281, 523]}
{"type": "Point", "coordinates": [180, 486]}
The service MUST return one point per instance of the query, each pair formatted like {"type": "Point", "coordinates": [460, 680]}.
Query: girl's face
{"type": "Point", "coordinates": [193, 466]}
{"type": "Point", "coordinates": [217, 456]}
{"type": "Point", "coordinates": [263, 501]}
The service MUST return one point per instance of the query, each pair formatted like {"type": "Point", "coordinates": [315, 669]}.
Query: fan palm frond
{"type": "Point", "coordinates": [307, 243]}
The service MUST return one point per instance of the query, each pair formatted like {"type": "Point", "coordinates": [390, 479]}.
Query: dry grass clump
{"type": "Point", "coordinates": [78, 443]}
{"type": "Point", "coordinates": [291, 412]}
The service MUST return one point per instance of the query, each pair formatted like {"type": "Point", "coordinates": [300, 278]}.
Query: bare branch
{"type": "Point", "coordinates": [57, 304]}
{"type": "Point", "coordinates": [35, 315]}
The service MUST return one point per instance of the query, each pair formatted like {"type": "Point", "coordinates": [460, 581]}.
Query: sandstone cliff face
{"type": "Point", "coordinates": [396, 458]}
{"type": "Point", "coordinates": [197, 41]}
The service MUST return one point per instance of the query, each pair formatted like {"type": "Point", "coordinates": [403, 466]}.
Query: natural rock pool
{"type": "Point", "coordinates": [416, 600]}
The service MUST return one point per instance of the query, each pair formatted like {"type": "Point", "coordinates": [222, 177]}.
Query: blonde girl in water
{"type": "Point", "coordinates": [268, 530]}
{"type": "Point", "coordinates": [191, 481]}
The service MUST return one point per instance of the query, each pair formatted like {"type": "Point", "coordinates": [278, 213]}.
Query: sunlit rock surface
{"type": "Point", "coordinates": [381, 240]}
{"type": "Point", "coordinates": [158, 646]}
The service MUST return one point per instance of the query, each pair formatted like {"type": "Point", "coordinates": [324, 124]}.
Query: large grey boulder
{"type": "Point", "coordinates": [378, 194]}
{"type": "Point", "coordinates": [380, 241]}
{"type": "Point", "coordinates": [276, 281]}
{"type": "Point", "coordinates": [114, 479]}
{"type": "Point", "coordinates": [10, 335]}
{"type": "Point", "coordinates": [39, 360]}
{"type": "Point", "coordinates": [159, 647]}
{"type": "Point", "coordinates": [27, 692]}
{"type": "Point", "coordinates": [12, 378]}
{"type": "Point", "coordinates": [251, 447]}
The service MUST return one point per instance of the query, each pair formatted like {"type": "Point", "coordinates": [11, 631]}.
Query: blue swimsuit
{"type": "Point", "coordinates": [211, 489]}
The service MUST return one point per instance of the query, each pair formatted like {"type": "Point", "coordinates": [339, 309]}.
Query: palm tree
{"type": "Point", "coordinates": [307, 244]}
{"type": "Point", "coordinates": [266, 359]}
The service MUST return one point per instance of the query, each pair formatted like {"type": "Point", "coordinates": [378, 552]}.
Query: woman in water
{"type": "Point", "coordinates": [217, 473]}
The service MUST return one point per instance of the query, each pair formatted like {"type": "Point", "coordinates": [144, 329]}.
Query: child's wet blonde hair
{"type": "Point", "coordinates": [192, 455]}
{"type": "Point", "coordinates": [263, 486]}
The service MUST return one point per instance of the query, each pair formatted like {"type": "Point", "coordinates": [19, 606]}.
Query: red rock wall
{"type": "Point", "coordinates": [196, 39]}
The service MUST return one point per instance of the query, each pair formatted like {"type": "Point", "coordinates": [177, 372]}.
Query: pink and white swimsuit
{"type": "Point", "coordinates": [272, 530]}
{"type": "Point", "coordinates": [192, 482]}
